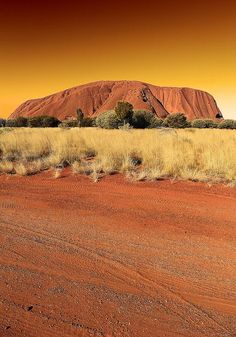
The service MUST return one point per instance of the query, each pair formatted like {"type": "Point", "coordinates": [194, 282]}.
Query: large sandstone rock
{"type": "Point", "coordinates": [95, 98]}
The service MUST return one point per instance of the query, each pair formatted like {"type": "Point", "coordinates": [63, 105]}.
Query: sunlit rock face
{"type": "Point", "coordinates": [95, 98]}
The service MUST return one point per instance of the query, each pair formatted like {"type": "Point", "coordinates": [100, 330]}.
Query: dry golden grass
{"type": "Point", "coordinates": [201, 155]}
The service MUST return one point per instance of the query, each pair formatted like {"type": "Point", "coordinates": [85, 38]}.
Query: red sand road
{"type": "Point", "coordinates": [116, 258]}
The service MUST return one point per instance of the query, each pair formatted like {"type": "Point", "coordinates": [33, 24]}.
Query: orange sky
{"type": "Point", "coordinates": [47, 46]}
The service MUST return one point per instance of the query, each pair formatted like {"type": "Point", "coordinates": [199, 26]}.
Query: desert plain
{"type": "Point", "coordinates": [115, 255]}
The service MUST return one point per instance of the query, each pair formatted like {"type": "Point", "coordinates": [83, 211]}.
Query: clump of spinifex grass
{"type": "Point", "coordinates": [194, 154]}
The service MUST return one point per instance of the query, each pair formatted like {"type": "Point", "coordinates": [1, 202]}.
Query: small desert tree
{"type": "Point", "coordinates": [124, 111]}
{"type": "Point", "coordinates": [80, 116]}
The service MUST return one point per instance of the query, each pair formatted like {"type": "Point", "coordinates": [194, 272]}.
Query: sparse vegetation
{"type": "Point", "coordinates": [148, 154]}
{"type": "Point", "coordinates": [201, 155]}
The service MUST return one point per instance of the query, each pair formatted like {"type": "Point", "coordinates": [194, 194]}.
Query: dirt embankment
{"type": "Point", "coordinates": [116, 258]}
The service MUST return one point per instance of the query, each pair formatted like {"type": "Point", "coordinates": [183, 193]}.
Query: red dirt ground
{"type": "Point", "coordinates": [116, 258]}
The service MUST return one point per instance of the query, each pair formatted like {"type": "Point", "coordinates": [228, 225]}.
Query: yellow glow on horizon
{"type": "Point", "coordinates": [46, 49]}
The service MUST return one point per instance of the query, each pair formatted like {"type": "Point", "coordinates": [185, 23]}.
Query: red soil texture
{"type": "Point", "coordinates": [95, 98]}
{"type": "Point", "coordinates": [116, 258]}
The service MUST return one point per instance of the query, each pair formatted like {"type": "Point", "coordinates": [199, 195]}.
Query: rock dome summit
{"type": "Point", "coordinates": [95, 98]}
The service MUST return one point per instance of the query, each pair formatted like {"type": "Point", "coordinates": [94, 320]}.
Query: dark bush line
{"type": "Point", "coordinates": [33, 122]}
{"type": "Point", "coordinates": [123, 116]}
{"type": "Point", "coordinates": [48, 122]}
{"type": "Point", "coordinates": [227, 124]}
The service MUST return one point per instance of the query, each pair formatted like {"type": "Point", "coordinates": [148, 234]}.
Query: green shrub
{"type": "Point", "coordinates": [108, 120]}
{"type": "Point", "coordinates": [204, 124]}
{"type": "Point", "coordinates": [155, 123]}
{"type": "Point", "coordinates": [176, 120]}
{"type": "Point", "coordinates": [143, 119]}
{"type": "Point", "coordinates": [227, 124]}
{"type": "Point", "coordinates": [124, 111]}
{"type": "Point", "coordinates": [43, 122]}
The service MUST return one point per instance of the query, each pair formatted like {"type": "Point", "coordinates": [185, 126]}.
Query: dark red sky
{"type": "Point", "coordinates": [47, 46]}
